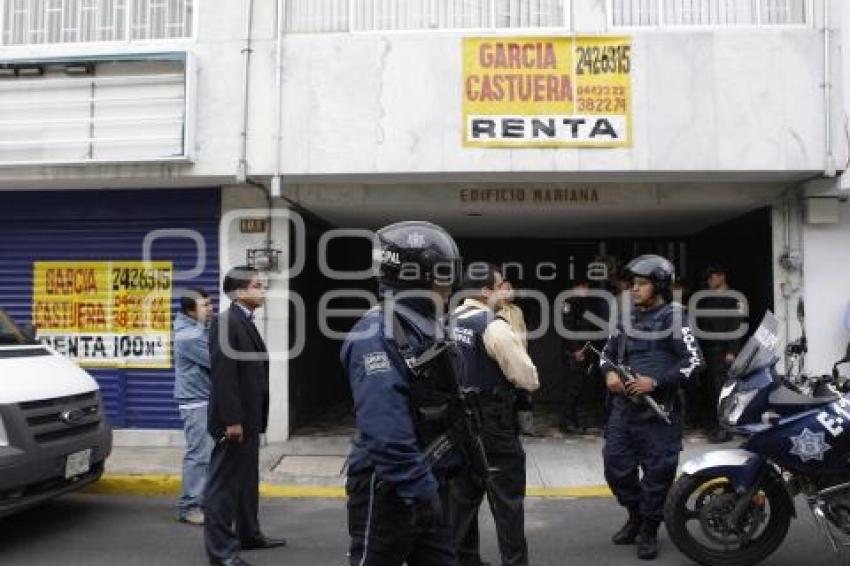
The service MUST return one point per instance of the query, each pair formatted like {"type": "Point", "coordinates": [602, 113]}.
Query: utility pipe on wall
{"type": "Point", "coordinates": [242, 166]}
{"type": "Point", "coordinates": [278, 81]}
{"type": "Point", "coordinates": [829, 159]}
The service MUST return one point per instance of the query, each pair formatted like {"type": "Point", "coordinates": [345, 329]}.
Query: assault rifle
{"type": "Point", "coordinates": [627, 376]}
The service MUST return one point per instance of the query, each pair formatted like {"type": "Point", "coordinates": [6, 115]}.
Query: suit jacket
{"type": "Point", "coordinates": [240, 388]}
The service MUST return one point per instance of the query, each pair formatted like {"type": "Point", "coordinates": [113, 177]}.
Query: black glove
{"type": "Point", "coordinates": [428, 513]}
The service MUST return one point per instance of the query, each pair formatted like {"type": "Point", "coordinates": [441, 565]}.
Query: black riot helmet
{"type": "Point", "coordinates": [657, 269]}
{"type": "Point", "coordinates": [415, 255]}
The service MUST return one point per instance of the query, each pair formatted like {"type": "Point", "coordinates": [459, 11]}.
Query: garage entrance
{"type": "Point", "coordinates": [546, 238]}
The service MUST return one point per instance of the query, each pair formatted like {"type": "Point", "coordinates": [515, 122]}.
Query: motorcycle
{"type": "Point", "coordinates": [734, 507]}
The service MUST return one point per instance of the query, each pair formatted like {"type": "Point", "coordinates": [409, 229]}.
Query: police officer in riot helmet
{"type": "Point", "coordinates": [396, 496]}
{"type": "Point", "coordinates": [663, 354]}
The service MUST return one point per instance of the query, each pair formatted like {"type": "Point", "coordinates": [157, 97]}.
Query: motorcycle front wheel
{"type": "Point", "coordinates": [696, 517]}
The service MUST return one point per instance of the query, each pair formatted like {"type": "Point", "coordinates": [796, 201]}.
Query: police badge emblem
{"type": "Point", "coordinates": [415, 240]}
{"type": "Point", "coordinates": [809, 445]}
{"type": "Point", "coordinates": [376, 362]}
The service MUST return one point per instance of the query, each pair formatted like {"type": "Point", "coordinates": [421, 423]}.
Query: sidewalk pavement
{"type": "Point", "coordinates": [311, 467]}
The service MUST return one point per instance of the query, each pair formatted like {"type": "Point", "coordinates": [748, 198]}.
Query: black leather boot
{"type": "Point", "coordinates": [647, 540]}
{"type": "Point", "coordinates": [629, 532]}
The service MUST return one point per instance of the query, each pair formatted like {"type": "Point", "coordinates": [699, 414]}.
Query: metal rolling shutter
{"type": "Point", "coordinates": [108, 225]}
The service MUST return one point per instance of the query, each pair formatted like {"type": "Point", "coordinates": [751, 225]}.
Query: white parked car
{"type": "Point", "coordinates": [54, 437]}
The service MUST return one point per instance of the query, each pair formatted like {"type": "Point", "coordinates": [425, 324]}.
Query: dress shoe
{"type": "Point", "coordinates": [235, 561]}
{"type": "Point", "coordinates": [262, 543]}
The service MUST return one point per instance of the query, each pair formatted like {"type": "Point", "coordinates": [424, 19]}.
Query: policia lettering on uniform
{"type": "Point", "coordinates": [663, 354]}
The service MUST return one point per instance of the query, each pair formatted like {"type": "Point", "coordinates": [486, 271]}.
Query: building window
{"type": "Point", "coordinates": [33, 22]}
{"type": "Point", "coordinates": [708, 13]}
{"type": "Point", "coordinates": [312, 16]}
{"type": "Point", "coordinates": [135, 109]}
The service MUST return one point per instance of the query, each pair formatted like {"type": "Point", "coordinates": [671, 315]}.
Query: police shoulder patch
{"type": "Point", "coordinates": [376, 362]}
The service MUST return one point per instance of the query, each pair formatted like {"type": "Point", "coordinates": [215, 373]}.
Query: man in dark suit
{"type": "Point", "coordinates": [238, 414]}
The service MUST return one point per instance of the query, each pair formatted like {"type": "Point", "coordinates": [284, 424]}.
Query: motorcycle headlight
{"type": "Point", "coordinates": [737, 404]}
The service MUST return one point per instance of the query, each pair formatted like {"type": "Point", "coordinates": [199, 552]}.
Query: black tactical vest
{"type": "Point", "coordinates": [434, 386]}
{"type": "Point", "coordinates": [481, 370]}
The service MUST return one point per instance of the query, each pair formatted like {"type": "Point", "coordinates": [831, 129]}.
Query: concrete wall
{"type": "Point", "coordinates": [827, 294]}
{"type": "Point", "coordinates": [743, 101]}
{"type": "Point", "coordinates": [722, 100]}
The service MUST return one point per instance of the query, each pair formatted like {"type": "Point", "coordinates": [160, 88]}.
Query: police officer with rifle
{"type": "Point", "coordinates": [415, 424]}
{"type": "Point", "coordinates": [644, 363]}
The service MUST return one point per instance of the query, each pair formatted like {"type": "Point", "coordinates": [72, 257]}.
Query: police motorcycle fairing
{"type": "Point", "coordinates": [734, 507]}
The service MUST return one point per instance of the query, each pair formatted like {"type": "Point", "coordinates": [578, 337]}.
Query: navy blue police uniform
{"type": "Point", "coordinates": [500, 437]}
{"type": "Point", "coordinates": [388, 475]}
{"type": "Point", "coordinates": [634, 437]}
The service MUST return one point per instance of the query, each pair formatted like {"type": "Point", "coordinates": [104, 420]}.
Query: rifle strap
{"type": "Point", "coordinates": [399, 336]}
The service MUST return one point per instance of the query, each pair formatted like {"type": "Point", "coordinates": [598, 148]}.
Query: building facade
{"type": "Point", "coordinates": [541, 133]}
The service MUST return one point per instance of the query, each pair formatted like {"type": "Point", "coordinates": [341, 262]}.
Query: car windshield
{"type": "Point", "coordinates": [760, 351]}
{"type": "Point", "coordinates": [10, 333]}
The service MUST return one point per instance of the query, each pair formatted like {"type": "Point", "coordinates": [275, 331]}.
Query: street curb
{"type": "Point", "coordinates": [162, 484]}
{"type": "Point", "coordinates": [577, 492]}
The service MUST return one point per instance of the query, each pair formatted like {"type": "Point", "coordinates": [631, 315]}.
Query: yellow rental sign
{"type": "Point", "coordinates": [547, 91]}
{"type": "Point", "coordinates": [105, 313]}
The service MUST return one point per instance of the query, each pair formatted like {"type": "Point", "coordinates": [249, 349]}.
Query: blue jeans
{"type": "Point", "coordinates": [196, 460]}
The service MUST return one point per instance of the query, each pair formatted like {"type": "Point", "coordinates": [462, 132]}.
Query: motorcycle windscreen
{"type": "Point", "coordinates": [762, 350]}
